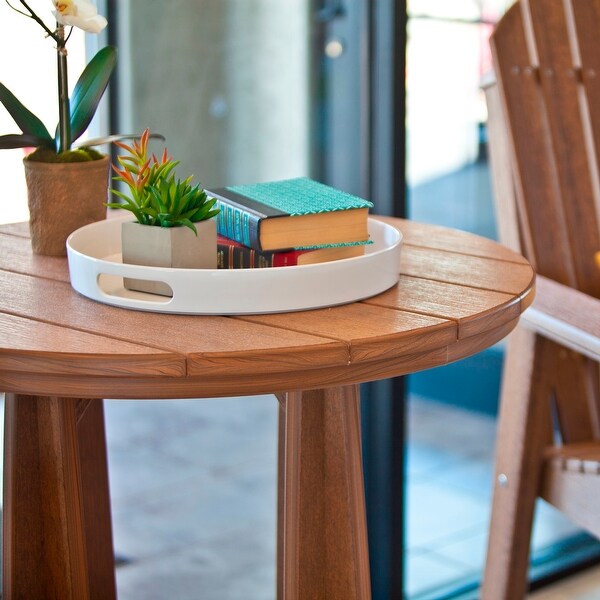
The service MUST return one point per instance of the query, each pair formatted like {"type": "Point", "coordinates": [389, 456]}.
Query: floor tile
{"type": "Point", "coordinates": [155, 444]}
{"type": "Point", "coordinates": [549, 526]}
{"type": "Point", "coordinates": [232, 566]}
{"type": "Point", "coordinates": [454, 431]}
{"type": "Point", "coordinates": [472, 475]}
{"type": "Point", "coordinates": [427, 572]}
{"type": "Point", "coordinates": [423, 460]}
{"type": "Point", "coordinates": [197, 511]}
{"type": "Point", "coordinates": [469, 548]}
{"type": "Point", "coordinates": [437, 512]}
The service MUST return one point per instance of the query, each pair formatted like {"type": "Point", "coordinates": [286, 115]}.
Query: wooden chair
{"type": "Point", "coordinates": [544, 127]}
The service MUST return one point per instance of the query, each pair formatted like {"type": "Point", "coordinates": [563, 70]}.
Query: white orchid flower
{"type": "Point", "coordinates": [79, 13]}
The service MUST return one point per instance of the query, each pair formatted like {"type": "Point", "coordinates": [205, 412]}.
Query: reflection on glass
{"type": "Point", "coordinates": [447, 56]}
{"type": "Point", "coordinates": [229, 90]}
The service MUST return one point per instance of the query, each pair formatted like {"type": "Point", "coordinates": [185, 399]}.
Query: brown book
{"type": "Point", "coordinates": [290, 214]}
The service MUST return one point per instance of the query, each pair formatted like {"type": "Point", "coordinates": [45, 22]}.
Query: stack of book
{"type": "Point", "coordinates": [289, 222]}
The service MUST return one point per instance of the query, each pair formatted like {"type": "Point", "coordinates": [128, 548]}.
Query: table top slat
{"type": "Point", "coordinates": [370, 331]}
{"type": "Point", "coordinates": [466, 270]}
{"type": "Point", "coordinates": [451, 240]}
{"type": "Point", "coordinates": [16, 256]}
{"type": "Point", "coordinates": [474, 310]}
{"type": "Point", "coordinates": [19, 229]}
{"type": "Point", "coordinates": [46, 348]}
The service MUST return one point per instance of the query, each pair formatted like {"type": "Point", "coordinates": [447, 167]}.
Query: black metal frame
{"type": "Point", "coordinates": [358, 144]}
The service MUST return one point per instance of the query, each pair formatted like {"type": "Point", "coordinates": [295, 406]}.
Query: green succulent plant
{"type": "Point", "coordinates": [155, 196]}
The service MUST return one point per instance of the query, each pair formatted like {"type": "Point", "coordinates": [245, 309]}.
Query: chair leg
{"type": "Point", "coordinates": [57, 538]}
{"type": "Point", "coordinates": [322, 533]}
{"type": "Point", "coordinates": [524, 429]}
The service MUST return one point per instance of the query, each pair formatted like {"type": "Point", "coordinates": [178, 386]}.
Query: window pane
{"type": "Point", "coordinates": [229, 90]}
{"type": "Point", "coordinates": [31, 75]}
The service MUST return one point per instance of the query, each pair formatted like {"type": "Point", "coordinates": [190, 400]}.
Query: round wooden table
{"type": "Point", "coordinates": [61, 353]}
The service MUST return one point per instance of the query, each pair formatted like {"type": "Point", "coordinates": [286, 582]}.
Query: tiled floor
{"type": "Point", "coordinates": [193, 485]}
{"type": "Point", "coordinates": [194, 499]}
{"type": "Point", "coordinates": [450, 470]}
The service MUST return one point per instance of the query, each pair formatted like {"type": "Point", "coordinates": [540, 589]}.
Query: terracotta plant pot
{"type": "Point", "coordinates": [62, 198]}
{"type": "Point", "coordinates": [171, 247]}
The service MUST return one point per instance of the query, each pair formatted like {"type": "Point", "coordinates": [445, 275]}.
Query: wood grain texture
{"type": "Point", "coordinates": [503, 184]}
{"type": "Point", "coordinates": [438, 237]}
{"type": "Point", "coordinates": [423, 313]}
{"type": "Point", "coordinates": [16, 256]}
{"type": "Point", "coordinates": [566, 315]}
{"type": "Point", "coordinates": [574, 493]}
{"type": "Point", "coordinates": [91, 447]}
{"type": "Point", "coordinates": [44, 348]}
{"type": "Point", "coordinates": [473, 310]}
{"type": "Point", "coordinates": [48, 524]}
{"type": "Point", "coordinates": [466, 270]}
{"type": "Point", "coordinates": [18, 229]}
{"type": "Point", "coordinates": [577, 396]}
{"type": "Point", "coordinates": [215, 384]}
{"type": "Point", "coordinates": [586, 17]}
{"type": "Point", "coordinates": [545, 105]}
{"type": "Point", "coordinates": [476, 343]}
{"type": "Point", "coordinates": [323, 553]}
{"type": "Point", "coordinates": [524, 429]}
{"type": "Point", "coordinates": [454, 299]}
{"type": "Point", "coordinates": [549, 121]}
{"type": "Point", "coordinates": [198, 337]}
{"type": "Point", "coordinates": [569, 127]}
{"type": "Point", "coordinates": [371, 332]}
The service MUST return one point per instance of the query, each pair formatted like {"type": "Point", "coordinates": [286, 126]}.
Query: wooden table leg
{"type": "Point", "coordinates": [322, 532]}
{"type": "Point", "coordinates": [57, 538]}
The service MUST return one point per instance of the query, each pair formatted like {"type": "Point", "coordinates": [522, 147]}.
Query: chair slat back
{"type": "Point", "coordinates": [551, 105]}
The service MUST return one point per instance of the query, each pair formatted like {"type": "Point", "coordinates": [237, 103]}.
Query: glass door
{"type": "Point", "coordinates": [452, 409]}
{"type": "Point", "coordinates": [259, 90]}
{"type": "Point", "coordinates": [230, 91]}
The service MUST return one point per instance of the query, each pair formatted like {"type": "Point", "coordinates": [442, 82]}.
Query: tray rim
{"type": "Point", "coordinates": [379, 255]}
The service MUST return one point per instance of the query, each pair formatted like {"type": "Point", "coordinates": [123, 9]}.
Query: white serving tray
{"type": "Point", "coordinates": [97, 271]}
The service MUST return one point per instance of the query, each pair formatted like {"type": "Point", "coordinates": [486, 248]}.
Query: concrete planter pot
{"type": "Point", "coordinates": [62, 198]}
{"type": "Point", "coordinates": [172, 247]}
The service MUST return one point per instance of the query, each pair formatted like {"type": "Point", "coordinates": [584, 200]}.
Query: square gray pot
{"type": "Point", "coordinates": [171, 247]}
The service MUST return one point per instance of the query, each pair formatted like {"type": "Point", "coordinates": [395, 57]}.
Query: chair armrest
{"type": "Point", "coordinates": [566, 316]}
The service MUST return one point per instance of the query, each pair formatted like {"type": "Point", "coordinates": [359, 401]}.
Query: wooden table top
{"type": "Point", "coordinates": [458, 294]}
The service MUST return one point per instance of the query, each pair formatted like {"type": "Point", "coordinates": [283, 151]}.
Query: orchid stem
{"type": "Point", "coordinates": [33, 16]}
{"type": "Point", "coordinates": [64, 111]}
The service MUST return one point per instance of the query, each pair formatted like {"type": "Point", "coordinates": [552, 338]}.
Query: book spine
{"type": "Point", "coordinates": [234, 256]}
{"type": "Point", "coordinates": [237, 224]}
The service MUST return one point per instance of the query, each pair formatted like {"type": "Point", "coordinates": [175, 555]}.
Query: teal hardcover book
{"type": "Point", "coordinates": [292, 213]}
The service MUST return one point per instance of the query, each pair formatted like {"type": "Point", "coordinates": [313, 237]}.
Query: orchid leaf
{"type": "Point", "coordinates": [109, 139]}
{"type": "Point", "coordinates": [23, 140]}
{"type": "Point", "coordinates": [89, 89]}
{"type": "Point", "coordinates": [24, 118]}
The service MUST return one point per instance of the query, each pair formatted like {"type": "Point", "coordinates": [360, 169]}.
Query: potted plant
{"type": "Point", "coordinates": [67, 186]}
{"type": "Point", "coordinates": [174, 225]}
